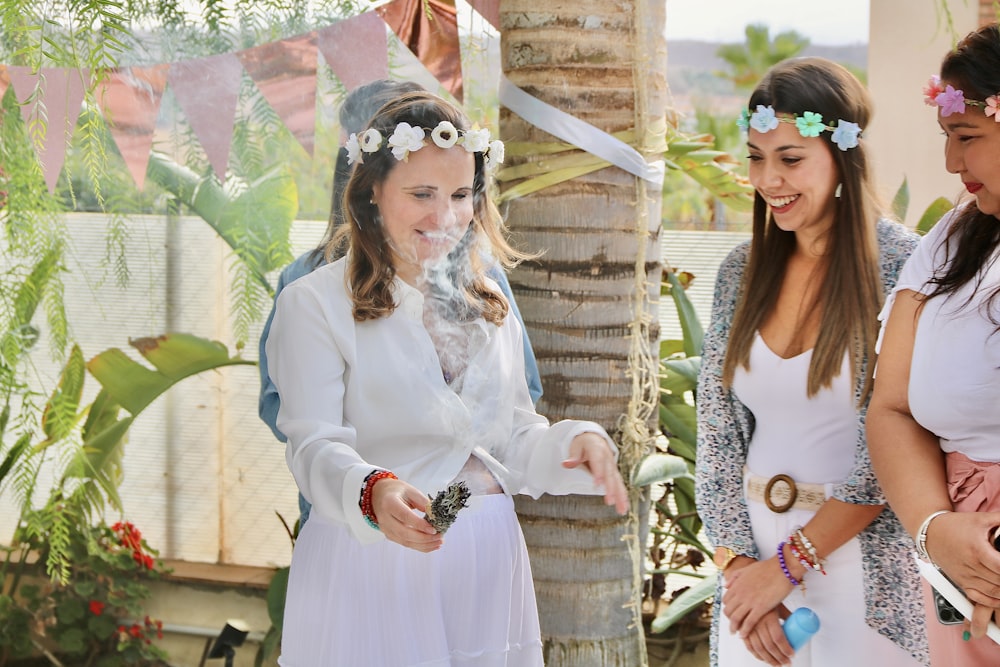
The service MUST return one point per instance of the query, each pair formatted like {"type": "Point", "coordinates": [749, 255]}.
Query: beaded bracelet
{"type": "Point", "coordinates": [365, 502]}
{"type": "Point", "coordinates": [808, 559]}
{"type": "Point", "coordinates": [801, 536]}
{"type": "Point", "coordinates": [802, 558]}
{"type": "Point", "coordinates": [784, 567]}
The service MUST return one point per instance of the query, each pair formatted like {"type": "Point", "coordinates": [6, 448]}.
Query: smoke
{"type": "Point", "coordinates": [449, 315]}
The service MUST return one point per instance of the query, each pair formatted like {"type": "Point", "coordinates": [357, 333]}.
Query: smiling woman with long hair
{"type": "Point", "coordinates": [401, 378]}
{"type": "Point", "coordinates": [934, 422]}
{"type": "Point", "coordinates": [783, 481]}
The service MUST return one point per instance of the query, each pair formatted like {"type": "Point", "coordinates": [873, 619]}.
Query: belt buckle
{"type": "Point", "coordinates": [793, 493]}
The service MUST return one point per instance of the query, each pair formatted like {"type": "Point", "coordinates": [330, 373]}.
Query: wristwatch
{"type": "Point", "coordinates": [723, 557]}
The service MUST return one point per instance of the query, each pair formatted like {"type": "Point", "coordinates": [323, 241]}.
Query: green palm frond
{"type": "Point", "coordinates": [715, 170]}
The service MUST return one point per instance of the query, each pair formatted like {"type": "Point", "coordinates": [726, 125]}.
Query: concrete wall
{"type": "Point", "coordinates": [908, 38]}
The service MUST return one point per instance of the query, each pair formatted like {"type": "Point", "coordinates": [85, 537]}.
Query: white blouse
{"type": "Point", "coordinates": [358, 395]}
{"type": "Point", "coordinates": [954, 387]}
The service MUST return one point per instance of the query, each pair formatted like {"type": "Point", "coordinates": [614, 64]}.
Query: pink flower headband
{"type": "Point", "coordinates": [954, 101]}
{"type": "Point", "coordinates": [809, 124]}
{"type": "Point", "coordinates": [406, 139]}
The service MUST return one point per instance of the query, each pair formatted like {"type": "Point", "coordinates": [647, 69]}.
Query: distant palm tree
{"type": "Point", "coordinates": [749, 61]}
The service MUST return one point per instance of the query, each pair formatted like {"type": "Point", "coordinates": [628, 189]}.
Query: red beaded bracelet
{"type": "Point", "coordinates": [365, 502]}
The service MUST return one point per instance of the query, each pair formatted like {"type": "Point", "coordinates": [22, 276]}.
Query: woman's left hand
{"type": "Point", "coordinates": [751, 592]}
{"type": "Point", "coordinates": [591, 451]}
{"type": "Point", "coordinates": [767, 641]}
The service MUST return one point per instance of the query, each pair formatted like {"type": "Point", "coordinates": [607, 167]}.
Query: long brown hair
{"type": "Point", "coordinates": [370, 268]}
{"type": "Point", "coordinates": [851, 293]}
{"type": "Point", "coordinates": [974, 68]}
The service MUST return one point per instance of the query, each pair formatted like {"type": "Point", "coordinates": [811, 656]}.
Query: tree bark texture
{"type": "Point", "coordinates": [604, 62]}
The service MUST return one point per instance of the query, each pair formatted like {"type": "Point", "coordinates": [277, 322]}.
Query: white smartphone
{"type": "Point", "coordinates": [954, 595]}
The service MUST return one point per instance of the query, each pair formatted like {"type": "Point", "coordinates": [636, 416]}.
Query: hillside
{"type": "Point", "coordinates": [692, 67]}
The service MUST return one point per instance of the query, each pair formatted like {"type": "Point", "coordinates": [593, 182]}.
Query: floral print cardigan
{"type": "Point", "coordinates": [894, 604]}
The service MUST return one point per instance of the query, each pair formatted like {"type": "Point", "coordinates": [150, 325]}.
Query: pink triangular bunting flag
{"type": "Point", "coordinates": [207, 91]}
{"type": "Point", "coordinates": [489, 10]}
{"type": "Point", "coordinates": [130, 99]}
{"type": "Point", "coordinates": [356, 49]}
{"type": "Point", "coordinates": [285, 74]}
{"type": "Point", "coordinates": [60, 94]}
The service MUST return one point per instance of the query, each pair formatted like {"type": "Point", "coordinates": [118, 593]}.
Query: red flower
{"type": "Point", "coordinates": [147, 560]}
{"type": "Point", "coordinates": [135, 631]}
{"type": "Point", "coordinates": [96, 607]}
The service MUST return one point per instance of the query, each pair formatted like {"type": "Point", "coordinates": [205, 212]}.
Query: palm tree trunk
{"type": "Point", "coordinates": [589, 302]}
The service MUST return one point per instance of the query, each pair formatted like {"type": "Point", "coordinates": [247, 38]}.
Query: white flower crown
{"type": "Point", "coordinates": [407, 138]}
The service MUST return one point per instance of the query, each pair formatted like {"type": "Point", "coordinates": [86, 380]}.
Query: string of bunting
{"type": "Point", "coordinates": [356, 50]}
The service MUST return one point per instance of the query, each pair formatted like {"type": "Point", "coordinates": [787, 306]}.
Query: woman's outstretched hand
{"type": "Point", "coordinates": [393, 502]}
{"type": "Point", "coordinates": [591, 451]}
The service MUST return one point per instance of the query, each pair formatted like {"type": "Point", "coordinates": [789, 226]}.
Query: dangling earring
{"type": "Point", "coordinates": [840, 188]}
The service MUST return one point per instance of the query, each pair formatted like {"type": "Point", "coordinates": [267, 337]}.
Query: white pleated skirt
{"type": "Point", "coordinates": [472, 602]}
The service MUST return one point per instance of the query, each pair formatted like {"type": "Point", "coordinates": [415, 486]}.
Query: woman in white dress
{"type": "Point", "coordinates": [400, 374]}
{"type": "Point", "coordinates": [934, 422]}
{"type": "Point", "coordinates": [783, 481]}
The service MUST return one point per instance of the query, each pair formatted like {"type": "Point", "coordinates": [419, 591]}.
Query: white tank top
{"type": "Point", "coordinates": [811, 439]}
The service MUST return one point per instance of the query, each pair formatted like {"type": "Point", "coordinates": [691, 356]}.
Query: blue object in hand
{"type": "Point", "coordinates": [800, 626]}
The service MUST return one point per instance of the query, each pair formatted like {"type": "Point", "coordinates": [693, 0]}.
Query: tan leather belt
{"type": "Point", "coordinates": [781, 493]}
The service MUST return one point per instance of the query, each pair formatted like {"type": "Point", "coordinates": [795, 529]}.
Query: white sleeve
{"type": "Point", "coordinates": [918, 269]}
{"type": "Point", "coordinates": [308, 367]}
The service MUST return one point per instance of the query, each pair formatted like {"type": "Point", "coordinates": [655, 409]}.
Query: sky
{"type": "Point", "coordinates": [843, 22]}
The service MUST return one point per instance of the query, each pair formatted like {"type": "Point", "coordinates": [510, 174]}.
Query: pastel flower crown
{"type": "Point", "coordinates": [809, 124]}
{"type": "Point", "coordinates": [954, 101]}
{"type": "Point", "coordinates": [406, 138]}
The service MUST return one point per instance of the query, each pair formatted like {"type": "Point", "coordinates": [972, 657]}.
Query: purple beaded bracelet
{"type": "Point", "coordinates": [784, 567]}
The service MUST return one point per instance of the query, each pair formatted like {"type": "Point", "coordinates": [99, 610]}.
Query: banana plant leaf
{"type": "Point", "coordinates": [679, 375]}
{"type": "Point", "coordinates": [684, 603]}
{"type": "Point", "coordinates": [679, 419]}
{"type": "Point", "coordinates": [253, 218]}
{"type": "Point", "coordinates": [659, 468]}
{"type": "Point", "coordinates": [175, 356]}
{"type": "Point", "coordinates": [691, 327]}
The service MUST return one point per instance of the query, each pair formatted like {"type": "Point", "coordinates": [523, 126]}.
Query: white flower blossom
{"type": "Point", "coordinates": [444, 135]}
{"type": "Point", "coordinates": [406, 138]}
{"type": "Point", "coordinates": [353, 150]}
{"type": "Point", "coordinates": [476, 141]}
{"type": "Point", "coordinates": [495, 154]}
{"type": "Point", "coordinates": [371, 141]}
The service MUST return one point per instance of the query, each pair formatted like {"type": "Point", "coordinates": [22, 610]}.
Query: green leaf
{"type": "Point", "coordinates": [668, 348]}
{"type": "Point", "coordinates": [932, 214]}
{"type": "Point", "coordinates": [73, 641]}
{"type": "Point", "coordinates": [175, 357]}
{"type": "Point", "coordinates": [679, 422]}
{"type": "Point", "coordinates": [684, 603]}
{"type": "Point", "coordinates": [268, 646]}
{"type": "Point", "coordinates": [60, 418]}
{"type": "Point", "coordinates": [683, 449]}
{"type": "Point", "coordinates": [681, 374]}
{"type": "Point", "coordinates": [691, 327]}
{"type": "Point", "coordinates": [70, 610]}
{"type": "Point", "coordinates": [901, 202]}
{"type": "Point", "coordinates": [659, 468]}
{"type": "Point", "coordinates": [276, 591]}
{"type": "Point", "coordinates": [253, 218]}
{"type": "Point", "coordinates": [13, 454]}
